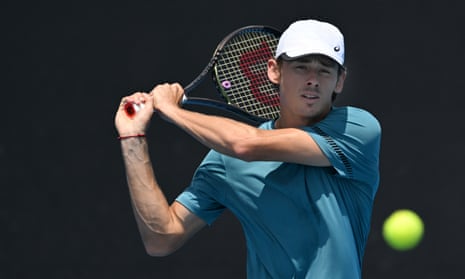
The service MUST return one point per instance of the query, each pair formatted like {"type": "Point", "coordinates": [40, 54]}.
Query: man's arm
{"type": "Point", "coordinates": [163, 227]}
{"type": "Point", "coordinates": [238, 139]}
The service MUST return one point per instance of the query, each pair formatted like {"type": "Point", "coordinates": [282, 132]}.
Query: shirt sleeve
{"type": "Point", "coordinates": [206, 190]}
{"type": "Point", "coordinates": [350, 138]}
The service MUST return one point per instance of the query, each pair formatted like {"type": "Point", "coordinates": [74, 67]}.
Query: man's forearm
{"type": "Point", "coordinates": [163, 227]}
{"type": "Point", "coordinates": [218, 133]}
{"type": "Point", "coordinates": [150, 204]}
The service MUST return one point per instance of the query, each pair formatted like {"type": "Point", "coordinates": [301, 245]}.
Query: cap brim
{"type": "Point", "coordinates": [286, 57]}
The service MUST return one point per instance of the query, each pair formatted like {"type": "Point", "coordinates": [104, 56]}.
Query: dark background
{"type": "Point", "coordinates": [64, 205]}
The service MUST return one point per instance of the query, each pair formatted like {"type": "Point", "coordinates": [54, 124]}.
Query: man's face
{"type": "Point", "coordinates": [307, 85]}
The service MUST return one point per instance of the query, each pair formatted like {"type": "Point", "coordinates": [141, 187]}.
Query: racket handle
{"type": "Point", "coordinates": [132, 108]}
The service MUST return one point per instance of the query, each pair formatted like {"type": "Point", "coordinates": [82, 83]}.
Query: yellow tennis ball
{"type": "Point", "coordinates": [403, 230]}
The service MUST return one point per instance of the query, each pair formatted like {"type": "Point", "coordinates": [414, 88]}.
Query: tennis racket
{"type": "Point", "coordinates": [238, 68]}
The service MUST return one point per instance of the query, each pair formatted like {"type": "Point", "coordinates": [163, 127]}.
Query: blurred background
{"type": "Point", "coordinates": [64, 204]}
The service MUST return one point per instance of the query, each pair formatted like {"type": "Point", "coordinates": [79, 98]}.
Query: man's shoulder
{"type": "Point", "coordinates": [355, 115]}
{"type": "Point", "coordinates": [351, 110]}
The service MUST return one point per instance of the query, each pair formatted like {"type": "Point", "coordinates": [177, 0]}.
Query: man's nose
{"type": "Point", "coordinates": [312, 79]}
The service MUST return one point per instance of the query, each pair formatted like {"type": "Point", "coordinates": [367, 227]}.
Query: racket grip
{"type": "Point", "coordinates": [132, 108]}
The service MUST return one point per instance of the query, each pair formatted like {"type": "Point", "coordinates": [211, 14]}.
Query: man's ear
{"type": "Point", "coordinates": [273, 71]}
{"type": "Point", "coordinates": [340, 82]}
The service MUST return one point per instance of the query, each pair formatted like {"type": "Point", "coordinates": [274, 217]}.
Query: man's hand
{"type": "Point", "coordinates": [167, 97]}
{"type": "Point", "coordinates": [129, 125]}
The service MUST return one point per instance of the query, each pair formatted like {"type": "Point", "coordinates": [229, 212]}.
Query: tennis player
{"type": "Point", "coordinates": [302, 185]}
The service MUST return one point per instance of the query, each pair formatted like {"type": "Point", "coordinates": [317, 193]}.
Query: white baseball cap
{"type": "Point", "coordinates": [311, 36]}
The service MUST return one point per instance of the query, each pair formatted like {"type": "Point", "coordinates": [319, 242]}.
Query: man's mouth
{"type": "Point", "coordinates": [310, 96]}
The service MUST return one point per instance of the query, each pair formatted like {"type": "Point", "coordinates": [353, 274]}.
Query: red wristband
{"type": "Point", "coordinates": [131, 136]}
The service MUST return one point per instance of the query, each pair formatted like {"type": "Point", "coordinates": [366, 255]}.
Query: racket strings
{"type": "Point", "coordinates": [249, 87]}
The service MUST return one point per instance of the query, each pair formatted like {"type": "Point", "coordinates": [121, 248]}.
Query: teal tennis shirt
{"type": "Point", "coordinates": [299, 221]}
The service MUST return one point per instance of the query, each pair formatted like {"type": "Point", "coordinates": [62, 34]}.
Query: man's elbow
{"type": "Point", "coordinates": [159, 250]}
{"type": "Point", "coordinates": [245, 152]}
{"type": "Point", "coordinates": [155, 252]}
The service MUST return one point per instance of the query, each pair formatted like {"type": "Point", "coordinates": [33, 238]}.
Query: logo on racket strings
{"type": "Point", "coordinates": [251, 59]}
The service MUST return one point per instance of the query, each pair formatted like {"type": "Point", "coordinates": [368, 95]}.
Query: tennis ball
{"type": "Point", "coordinates": [403, 230]}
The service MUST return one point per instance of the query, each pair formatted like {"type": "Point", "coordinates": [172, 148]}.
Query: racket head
{"type": "Point", "coordinates": [240, 70]}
